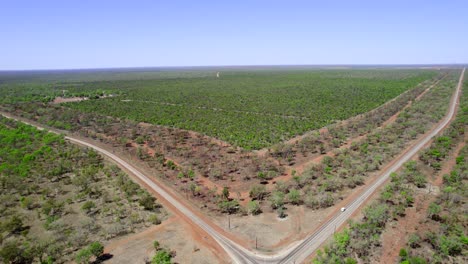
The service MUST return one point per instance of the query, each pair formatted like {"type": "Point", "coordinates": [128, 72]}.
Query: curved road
{"type": "Point", "coordinates": [302, 249]}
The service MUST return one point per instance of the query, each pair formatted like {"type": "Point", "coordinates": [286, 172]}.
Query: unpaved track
{"type": "Point", "coordinates": [300, 250]}
{"type": "Point", "coordinates": [297, 138]}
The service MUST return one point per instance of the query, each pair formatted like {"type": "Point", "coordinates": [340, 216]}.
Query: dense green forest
{"type": "Point", "coordinates": [251, 109]}
{"type": "Point", "coordinates": [70, 200]}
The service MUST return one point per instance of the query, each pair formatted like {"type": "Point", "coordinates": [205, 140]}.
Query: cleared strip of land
{"type": "Point", "coordinates": [304, 248]}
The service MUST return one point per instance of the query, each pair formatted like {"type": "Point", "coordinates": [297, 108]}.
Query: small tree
{"type": "Point", "coordinates": [297, 179]}
{"type": "Point", "coordinates": [148, 202]}
{"type": "Point", "coordinates": [12, 252]}
{"type": "Point", "coordinates": [277, 199]}
{"type": "Point", "coordinates": [229, 206]}
{"type": "Point", "coordinates": [414, 241]}
{"type": "Point", "coordinates": [225, 193]}
{"type": "Point", "coordinates": [83, 256]}
{"type": "Point", "coordinates": [311, 201]}
{"type": "Point", "coordinates": [180, 175]}
{"type": "Point", "coordinates": [190, 174]}
{"type": "Point", "coordinates": [376, 214]}
{"type": "Point", "coordinates": [87, 206]}
{"type": "Point", "coordinates": [162, 257]}
{"type": "Point", "coordinates": [433, 211]}
{"type": "Point", "coordinates": [14, 226]}
{"type": "Point", "coordinates": [253, 207]}
{"type": "Point", "coordinates": [156, 245]}
{"type": "Point", "coordinates": [154, 219]}
{"type": "Point", "coordinates": [294, 196]}
{"type": "Point", "coordinates": [420, 181]}
{"type": "Point", "coordinates": [171, 165]}
{"type": "Point", "coordinates": [350, 261]}
{"type": "Point", "coordinates": [281, 212]}
{"type": "Point", "coordinates": [96, 248]}
{"type": "Point", "coordinates": [403, 254]}
{"type": "Point", "coordinates": [194, 189]}
{"type": "Point", "coordinates": [257, 192]}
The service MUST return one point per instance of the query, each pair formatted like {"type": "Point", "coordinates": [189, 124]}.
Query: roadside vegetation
{"type": "Point", "coordinates": [59, 202]}
{"type": "Point", "coordinates": [360, 242]}
{"type": "Point", "coordinates": [201, 166]}
{"type": "Point", "coordinates": [323, 184]}
{"type": "Point", "coordinates": [162, 255]}
{"type": "Point", "coordinates": [442, 238]}
{"type": "Point", "coordinates": [71, 202]}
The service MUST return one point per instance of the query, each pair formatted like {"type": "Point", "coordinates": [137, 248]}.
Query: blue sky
{"type": "Point", "coordinates": [45, 34]}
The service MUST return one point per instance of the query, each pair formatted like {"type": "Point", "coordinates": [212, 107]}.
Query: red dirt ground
{"type": "Point", "coordinates": [396, 238]}
{"type": "Point", "coordinates": [201, 236]}
{"type": "Point", "coordinates": [148, 232]}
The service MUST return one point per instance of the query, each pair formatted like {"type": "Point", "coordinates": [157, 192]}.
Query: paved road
{"type": "Point", "coordinates": [300, 250]}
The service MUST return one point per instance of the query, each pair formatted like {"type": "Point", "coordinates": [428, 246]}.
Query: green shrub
{"type": "Point", "coordinates": [96, 248]}
{"type": "Point", "coordinates": [148, 202]}
{"type": "Point", "coordinates": [294, 196]}
{"type": "Point", "coordinates": [258, 192]}
{"type": "Point", "coordinates": [156, 245]}
{"type": "Point", "coordinates": [88, 205]}
{"type": "Point", "coordinates": [229, 206]}
{"type": "Point", "coordinates": [154, 219]}
{"type": "Point", "coordinates": [83, 256]}
{"type": "Point", "coordinates": [253, 207]}
{"type": "Point", "coordinates": [162, 257]}
{"type": "Point", "coordinates": [277, 199]}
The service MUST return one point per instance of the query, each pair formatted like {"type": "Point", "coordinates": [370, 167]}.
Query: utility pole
{"type": "Point", "coordinates": [256, 242]}
{"type": "Point", "coordinates": [229, 222]}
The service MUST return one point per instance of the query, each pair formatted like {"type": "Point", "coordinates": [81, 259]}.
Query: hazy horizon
{"type": "Point", "coordinates": [221, 67]}
{"type": "Point", "coordinates": [57, 35]}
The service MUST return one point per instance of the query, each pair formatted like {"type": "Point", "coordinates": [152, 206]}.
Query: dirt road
{"type": "Point", "coordinates": [300, 250]}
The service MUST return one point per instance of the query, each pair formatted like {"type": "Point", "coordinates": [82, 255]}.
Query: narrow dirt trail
{"type": "Point", "coordinates": [299, 168]}
{"type": "Point", "coordinates": [298, 251]}
{"type": "Point", "coordinates": [421, 143]}
{"type": "Point", "coordinates": [295, 139]}
{"type": "Point", "coordinates": [396, 238]}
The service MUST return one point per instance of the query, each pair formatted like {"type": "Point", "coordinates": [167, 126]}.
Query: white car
{"type": "Point", "coordinates": [343, 209]}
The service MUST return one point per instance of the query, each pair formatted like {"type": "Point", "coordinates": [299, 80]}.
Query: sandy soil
{"type": "Point", "coordinates": [182, 234]}
{"type": "Point", "coordinates": [396, 235]}
{"type": "Point", "coordinates": [272, 232]}
{"type": "Point", "coordinates": [277, 232]}
{"type": "Point", "coordinates": [171, 234]}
